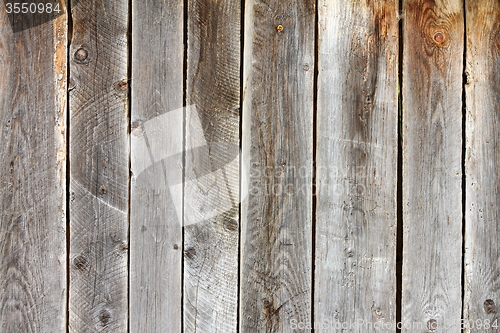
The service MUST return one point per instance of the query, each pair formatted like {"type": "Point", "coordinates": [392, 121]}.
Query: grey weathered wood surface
{"type": "Point", "coordinates": [188, 270]}
{"type": "Point", "coordinates": [211, 183]}
{"type": "Point", "coordinates": [99, 171]}
{"type": "Point", "coordinates": [32, 176]}
{"type": "Point", "coordinates": [432, 168]}
{"type": "Point", "coordinates": [155, 223]}
{"type": "Point", "coordinates": [482, 211]}
{"type": "Point", "coordinates": [356, 162]}
{"type": "Point", "coordinates": [276, 249]}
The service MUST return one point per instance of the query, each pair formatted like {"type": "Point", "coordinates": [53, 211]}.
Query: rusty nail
{"type": "Point", "coordinates": [123, 85]}
{"type": "Point", "coordinates": [279, 28]}
{"type": "Point", "coordinates": [176, 247]}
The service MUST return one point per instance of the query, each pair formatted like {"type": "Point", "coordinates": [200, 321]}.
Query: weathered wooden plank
{"type": "Point", "coordinates": [356, 163]}
{"type": "Point", "coordinates": [32, 175]}
{"type": "Point", "coordinates": [432, 168]}
{"type": "Point", "coordinates": [482, 212]}
{"type": "Point", "coordinates": [276, 266]}
{"type": "Point", "coordinates": [99, 171]}
{"type": "Point", "coordinates": [211, 184]}
{"type": "Point", "coordinates": [156, 157]}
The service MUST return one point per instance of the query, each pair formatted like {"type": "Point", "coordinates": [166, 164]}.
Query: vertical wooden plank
{"type": "Point", "coordinates": [32, 174]}
{"type": "Point", "coordinates": [99, 170]}
{"type": "Point", "coordinates": [356, 164]}
{"type": "Point", "coordinates": [156, 158]}
{"type": "Point", "coordinates": [276, 266]}
{"type": "Point", "coordinates": [211, 189]}
{"type": "Point", "coordinates": [482, 213]}
{"type": "Point", "coordinates": [432, 168]}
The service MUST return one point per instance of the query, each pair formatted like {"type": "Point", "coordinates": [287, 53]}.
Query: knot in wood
{"type": "Point", "coordinates": [190, 252]}
{"type": "Point", "coordinates": [80, 262]}
{"type": "Point", "coordinates": [104, 317]}
{"type": "Point", "coordinates": [439, 37]}
{"type": "Point", "coordinates": [136, 128]}
{"type": "Point", "coordinates": [266, 303]}
{"type": "Point", "coordinates": [432, 324]}
{"type": "Point", "coordinates": [230, 224]}
{"type": "Point", "coordinates": [81, 54]}
{"type": "Point", "coordinates": [71, 84]}
{"type": "Point", "coordinates": [489, 306]}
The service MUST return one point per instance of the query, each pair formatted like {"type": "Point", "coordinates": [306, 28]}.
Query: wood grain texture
{"type": "Point", "coordinates": [482, 212]}
{"type": "Point", "coordinates": [99, 171]}
{"type": "Point", "coordinates": [32, 176]}
{"type": "Point", "coordinates": [356, 163]}
{"type": "Point", "coordinates": [211, 184]}
{"type": "Point", "coordinates": [432, 168]}
{"type": "Point", "coordinates": [276, 254]}
{"type": "Point", "coordinates": [155, 223]}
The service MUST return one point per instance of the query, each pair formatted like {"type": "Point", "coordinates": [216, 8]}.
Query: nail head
{"type": "Point", "coordinates": [439, 37]}
{"type": "Point", "coordinates": [103, 190]}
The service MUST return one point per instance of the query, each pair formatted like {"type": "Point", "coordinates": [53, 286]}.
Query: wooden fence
{"type": "Point", "coordinates": [250, 166]}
